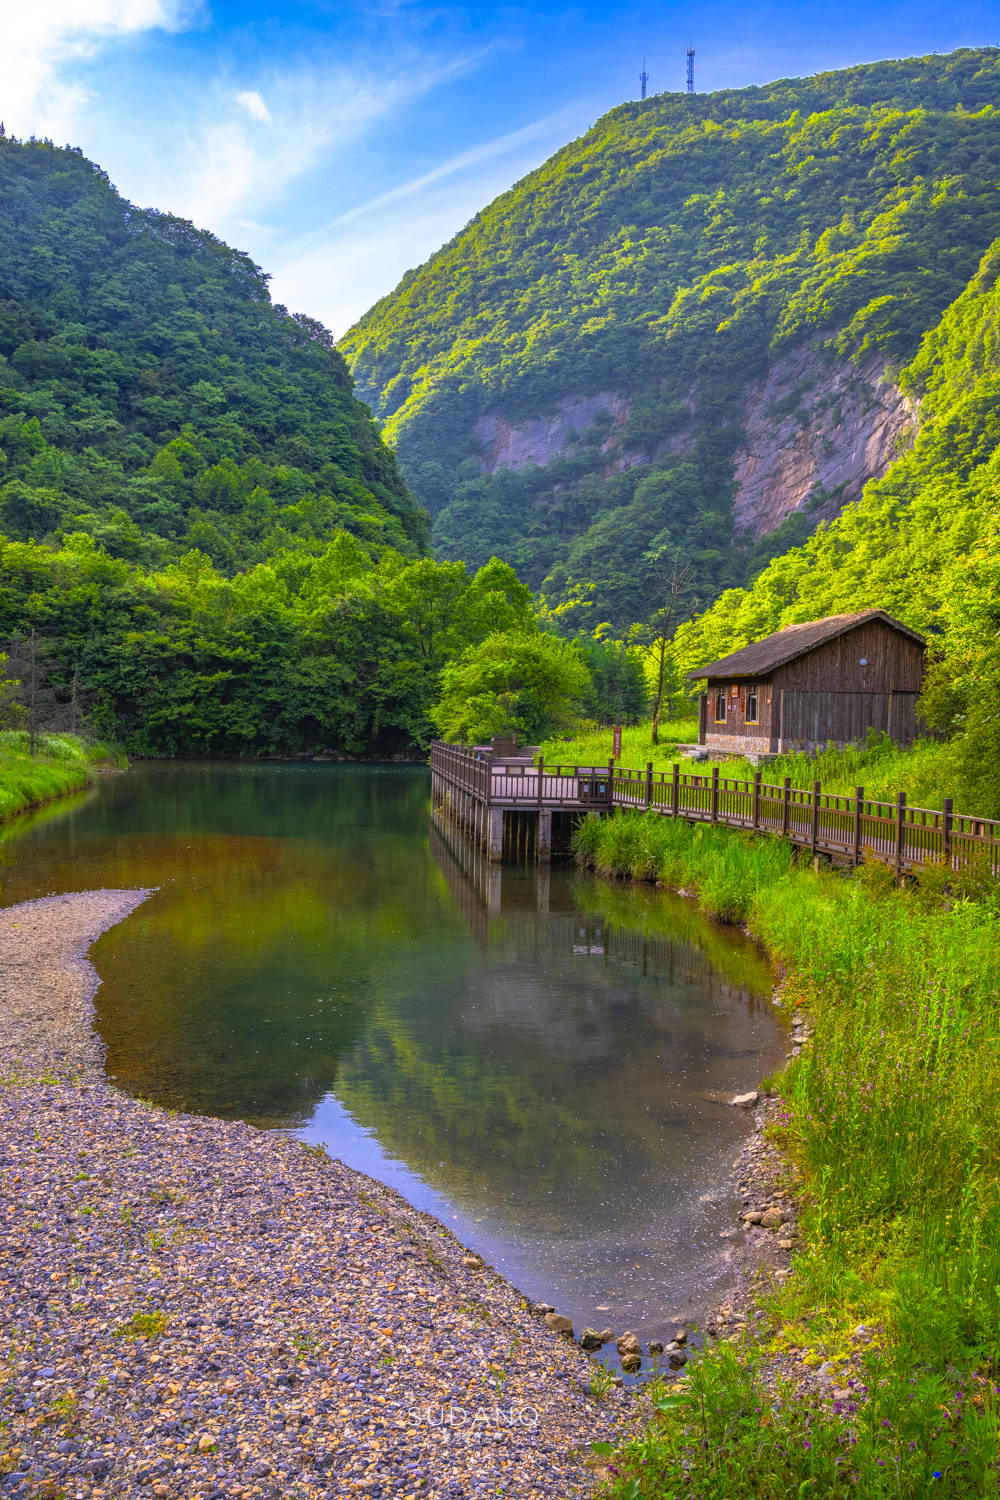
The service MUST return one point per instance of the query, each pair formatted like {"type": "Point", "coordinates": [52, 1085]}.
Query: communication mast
{"type": "Point", "coordinates": [643, 80]}
{"type": "Point", "coordinates": [690, 58]}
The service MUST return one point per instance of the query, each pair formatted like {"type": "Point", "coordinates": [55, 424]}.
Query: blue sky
{"type": "Point", "coordinates": [340, 143]}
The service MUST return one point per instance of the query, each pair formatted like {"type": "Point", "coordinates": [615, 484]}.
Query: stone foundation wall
{"type": "Point", "coordinates": [737, 744]}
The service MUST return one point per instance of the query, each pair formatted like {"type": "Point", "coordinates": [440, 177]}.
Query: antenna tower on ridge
{"type": "Point", "coordinates": [690, 58]}
{"type": "Point", "coordinates": [643, 80]}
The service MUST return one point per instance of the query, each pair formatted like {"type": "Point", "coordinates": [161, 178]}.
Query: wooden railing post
{"type": "Point", "coordinates": [859, 803]}
{"type": "Point", "coordinates": [900, 829]}
{"type": "Point", "coordinates": [541, 769]}
{"type": "Point", "coordinates": [815, 820]}
{"type": "Point", "coordinates": [675, 791]}
{"type": "Point", "coordinates": [756, 800]}
{"type": "Point", "coordinates": [786, 807]}
{"type": "Point", "coordinates": [649, 784]}
{"type": "Point", "coordinates": [946, 827]}
{"type": "Point", "coordinates": [611, 782]}
{"type": "Point", "coordinates": [715, 794]}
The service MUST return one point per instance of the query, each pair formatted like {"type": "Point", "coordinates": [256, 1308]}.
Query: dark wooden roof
{"type": "Point", "coordinates": [762, 657]}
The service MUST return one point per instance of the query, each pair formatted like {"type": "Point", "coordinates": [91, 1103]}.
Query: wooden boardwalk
{"type": "Point", "coordinates": [478, 791]}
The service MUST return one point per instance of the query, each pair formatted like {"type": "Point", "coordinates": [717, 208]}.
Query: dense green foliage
{"type": "Point", "coordinates": [518, 682]}
{"type": "Point", "coordinates": [892, 1115]}
{"type": "Point", "coordinates": [665, 257]}
{"type": "Point", "coordinates": [151, 394]}
{"type": "Point", "coordinates": [202, 525]}
{"type": "Point", "coordinates": [336, 652]}
{"type": "Point", "coordinates": [922, 543]}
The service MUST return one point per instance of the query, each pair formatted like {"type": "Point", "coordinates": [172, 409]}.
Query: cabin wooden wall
{"type": "Point", "coordinates": [895, 663]}
{"type": "Point", "coordinates": [826, 695]}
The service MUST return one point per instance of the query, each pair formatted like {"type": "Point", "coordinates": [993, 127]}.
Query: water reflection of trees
{"type": "Point", "coordinates": [577, 1055]}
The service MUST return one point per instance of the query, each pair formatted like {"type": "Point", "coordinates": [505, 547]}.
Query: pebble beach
{"type": "Point", "coordinates": [192, 1307]}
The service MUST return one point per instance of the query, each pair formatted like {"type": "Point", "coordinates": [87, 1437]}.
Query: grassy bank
{"type": "Point", "coordinates": [893, 1119]}
{"type": "Point", "coordinates": [62, 763]}
{"type": "Point", "coordinates": [593, 747]}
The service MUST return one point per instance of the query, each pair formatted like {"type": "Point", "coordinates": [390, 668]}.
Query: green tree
{"type": "Point", "coordinates": [511, 683]}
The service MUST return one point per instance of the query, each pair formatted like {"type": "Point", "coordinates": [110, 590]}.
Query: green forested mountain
{"type": "Point", "coordinates": [151, 394]}
{"type": "Point", "coordinates": [638, 281]}
{"type": "Point", "coordinates": [924, 542]}
{"type": "Point", "coordinates": [198, 521]}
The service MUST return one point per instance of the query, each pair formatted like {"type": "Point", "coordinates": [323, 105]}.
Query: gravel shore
{"type": "Point", "coordinates": [192, 1308]}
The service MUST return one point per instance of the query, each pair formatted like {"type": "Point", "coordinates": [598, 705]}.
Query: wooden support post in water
{"type": "Point", "coordinates": [815, 822]}
{"type": "Point", "coordinates": [494, 848]}
{"type": "Point", "coordinates": [675, 790]}
{"type": "Point", "coordinates": [715, 794]}
{"type": "Point", "coordinates": [786, 807]}
{"type": "Point", "coordinates": [543, 838]}
{"type": "Point", "coordinates": [756, 801]}
{"type": "Point", "coordinates": [649, 784]}
{"type": "Point", "coordinates": [900, 829]}
{"type": "Point", "coordinates": [859, 804]}
{"type": "Point", "coordinates": [946, 827]}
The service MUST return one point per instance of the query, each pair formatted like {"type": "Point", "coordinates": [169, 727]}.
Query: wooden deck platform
{"type": "Point", "coordinates": [478, 791]}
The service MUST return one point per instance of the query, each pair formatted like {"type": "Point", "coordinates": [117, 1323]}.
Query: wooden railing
{"type": "Point", "coordinates": [847, 828]}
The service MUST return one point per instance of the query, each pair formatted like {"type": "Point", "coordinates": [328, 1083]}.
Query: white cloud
{"type": "Point", "coordinates": [338, 272]}
{"type": "Point", "coordinates": [44, 39]}
{"type": "Point", "coordinates": [254, 105]}
{"type": "Point", "coordinates": [213, 164]}
{"type": "Point", "coordinates": [502, 146]}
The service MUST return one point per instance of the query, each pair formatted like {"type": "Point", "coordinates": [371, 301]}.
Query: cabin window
{"type": "Point", "coordinates": [752, 715]}
{"type": "Point", "coordinates": [720, 706]}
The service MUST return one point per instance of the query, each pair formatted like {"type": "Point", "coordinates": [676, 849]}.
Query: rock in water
{"type": "Point", "coordinates": [744, 1101]}
{"type": "Point", "coordinates": [590, 1339]}
{"type": "Point", "coordinates": [628, 1344]}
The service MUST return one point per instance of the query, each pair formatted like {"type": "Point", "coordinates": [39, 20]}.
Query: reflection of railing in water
{"type": "Point", "coordinates": [476, 886]}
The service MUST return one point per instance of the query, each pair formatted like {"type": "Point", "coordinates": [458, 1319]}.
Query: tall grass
{"type": "Point", "coordinates": [893, 1116]}
{"type": "Point", "coordinates": [593, 748]}
{"type": "Point", "coordinates": [63, 763]}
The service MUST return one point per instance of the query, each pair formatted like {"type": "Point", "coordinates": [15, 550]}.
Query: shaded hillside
{"type": "Point", "coordinates": [697, 309]}
{"type": "Point", "coordinates": [151, 394]}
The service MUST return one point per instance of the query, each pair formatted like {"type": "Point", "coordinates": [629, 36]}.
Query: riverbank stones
{"type": "Point", "coordinates": [219, 1313]}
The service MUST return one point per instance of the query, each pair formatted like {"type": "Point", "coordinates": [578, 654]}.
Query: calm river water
{"type": "Point", "coordinates": [528, 1055]}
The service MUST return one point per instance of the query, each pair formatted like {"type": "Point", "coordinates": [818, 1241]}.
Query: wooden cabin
{"type": "Point", "coordinates": [809, 685]}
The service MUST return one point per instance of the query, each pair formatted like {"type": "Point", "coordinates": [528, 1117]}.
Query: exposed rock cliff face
{"type": "Point", "coordinates": [816, 431]}
{"type": "Point", "coordinates": [538, 440]}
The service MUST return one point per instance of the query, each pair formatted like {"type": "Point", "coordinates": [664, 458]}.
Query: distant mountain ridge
{"type": "Point", "coordinates": [682, 334]}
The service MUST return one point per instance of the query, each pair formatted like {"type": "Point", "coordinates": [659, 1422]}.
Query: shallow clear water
{"type": "Point", "coordinates": [530, 1055]}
